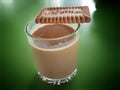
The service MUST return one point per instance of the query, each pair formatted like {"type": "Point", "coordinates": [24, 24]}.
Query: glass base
{"type": "Point", "coordinates": [58, 81]}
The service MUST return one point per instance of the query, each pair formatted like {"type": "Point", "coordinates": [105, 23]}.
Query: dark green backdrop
{"type": "Point", "coordinates": [98, 64]}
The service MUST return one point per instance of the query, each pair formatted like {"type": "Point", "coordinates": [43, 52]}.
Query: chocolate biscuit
{"type": "Point", "coordinates": [73, 14]}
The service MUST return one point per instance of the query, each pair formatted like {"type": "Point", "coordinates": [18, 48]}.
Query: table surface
{"type": "Point", "coordinates": [97, 62]}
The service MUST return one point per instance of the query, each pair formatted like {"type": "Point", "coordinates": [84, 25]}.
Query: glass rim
{"type": "Point", "coordinates": [40, 38]}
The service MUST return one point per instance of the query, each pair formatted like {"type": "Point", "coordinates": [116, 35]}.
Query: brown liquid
{"type": "Point", "coordinates": [53, 31]}
{"type": "Point", "coordinates": [60, 61]}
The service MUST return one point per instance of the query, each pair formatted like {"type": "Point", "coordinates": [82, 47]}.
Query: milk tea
{"type": "Point", "coordinates": [55, 50]}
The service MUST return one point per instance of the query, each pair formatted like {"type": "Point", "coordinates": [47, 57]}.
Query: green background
{"type": "Point", "coordinates": [98, 64]}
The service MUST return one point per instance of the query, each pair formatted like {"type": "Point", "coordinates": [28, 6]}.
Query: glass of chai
{"type": "Point", "coordinates": [55, 48]}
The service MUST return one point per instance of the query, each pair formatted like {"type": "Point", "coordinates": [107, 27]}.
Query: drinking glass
{"type": "Point", "coordinates": [56, 58]}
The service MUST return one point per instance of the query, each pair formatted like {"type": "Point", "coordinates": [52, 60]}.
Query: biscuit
{"type": "Point", "coordinates": [69, 14]}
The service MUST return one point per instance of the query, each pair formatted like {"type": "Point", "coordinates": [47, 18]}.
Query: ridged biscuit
{"type": "Point", "coordinates": [70, 14]}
